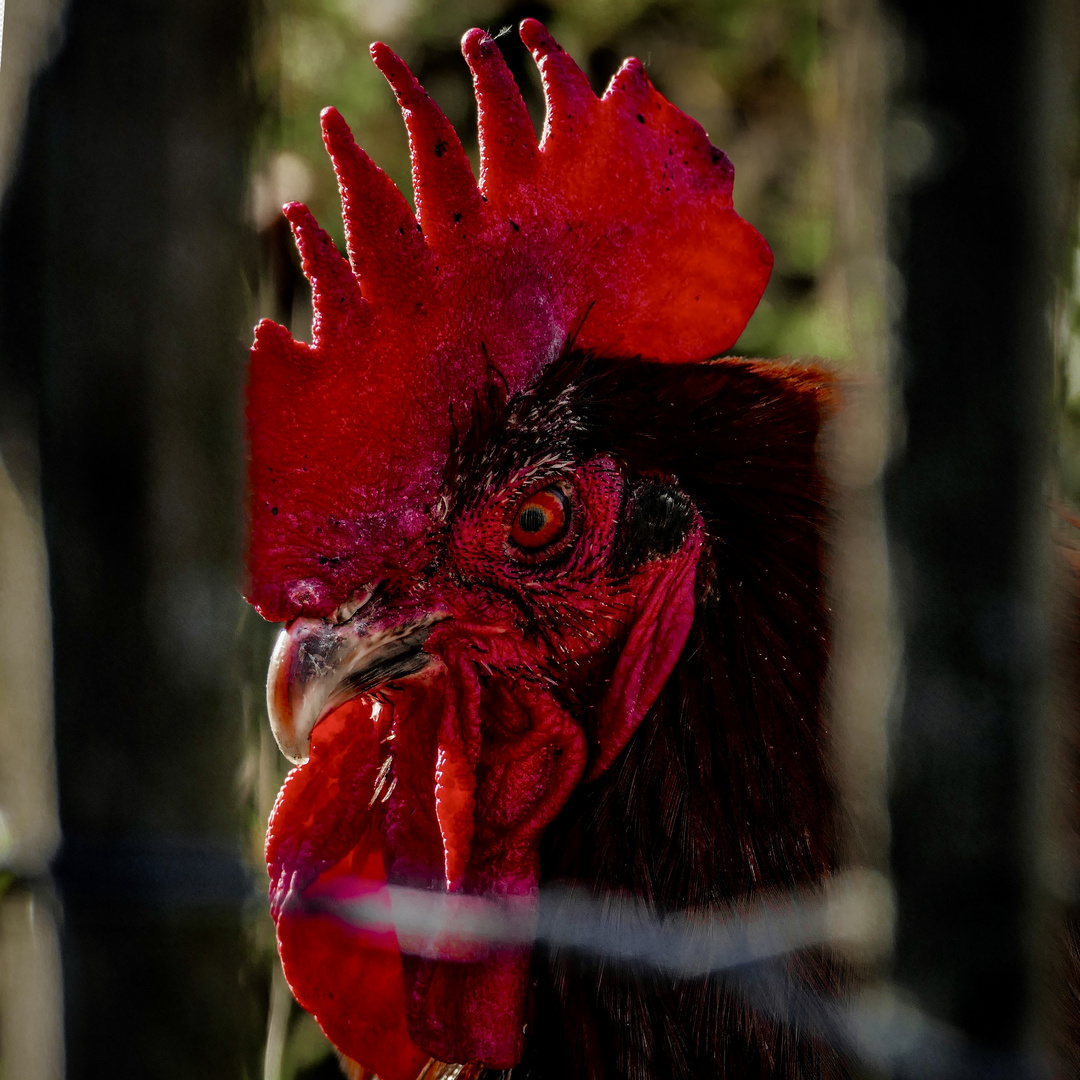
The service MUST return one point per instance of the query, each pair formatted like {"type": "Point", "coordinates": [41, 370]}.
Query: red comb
{"type": "Point", "coordinates": [618, 227]}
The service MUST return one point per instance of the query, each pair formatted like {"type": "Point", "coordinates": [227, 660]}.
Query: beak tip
{"type": "Point", "coordinates": [293, 740]}
{"type": "Point", "coordinates": [295, 755]}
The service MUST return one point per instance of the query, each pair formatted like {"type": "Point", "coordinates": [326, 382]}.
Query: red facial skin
{"type": "Point", "coordinates": [494, 734]}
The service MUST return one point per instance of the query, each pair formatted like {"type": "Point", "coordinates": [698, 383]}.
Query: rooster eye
{"type": "Point", "coordinates": [541, 519]}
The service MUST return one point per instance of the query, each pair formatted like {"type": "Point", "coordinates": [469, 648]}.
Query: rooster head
{"type": "Point", "coordinates": [480, 605]}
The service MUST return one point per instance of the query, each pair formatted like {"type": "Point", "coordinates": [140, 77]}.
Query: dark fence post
{"type": "Point", "coordinates": [121, 279]}
{"type": "Point", "coordinates": [966, 512]}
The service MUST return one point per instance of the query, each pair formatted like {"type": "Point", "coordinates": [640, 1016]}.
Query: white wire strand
{"type": "Point", "coordinates": [852, 914]}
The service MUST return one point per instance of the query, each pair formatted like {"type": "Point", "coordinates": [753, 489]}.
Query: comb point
{"type": "Point", "coordinates": [447, 198]}
{"type": "Point", "coordinates": [397, 73]}
{"type": "Point", "coordinates": [333, 124]}
{"type": "Point", "coordinates": [534, 35]}
{"type": "Point", "coordinates": [385, 249]}
{"type": "Point", "coordinates": [508, 146]}
{"type": "Point", "coordinates": [475, 43]}
{"type": "Point", "coordinates": [570, 98]}
{"type": "Point", "coordinates": [335, 291]}
{"type": "Point", "coordinates": [631, 78]}
{"type": "Point", "coordinates": [270, 333]}
{"type": "Point", "coordinates": [380, 53]}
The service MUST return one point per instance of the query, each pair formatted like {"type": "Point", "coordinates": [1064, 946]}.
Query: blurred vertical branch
{"type": "Point", "coordinates": [122, 254]}
{"type": "Point", "coordinates": [31, 1013]}
{"type": "Point", "coordinates": [31, 989]}
{"type": "Point", "coordinates": [975, 223]}
{"type": "Point", "coordinates": [851, 118]}
{"type": "Point", "coordinates": [1060, 854]}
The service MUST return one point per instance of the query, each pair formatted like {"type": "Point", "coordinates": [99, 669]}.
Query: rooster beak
{"type": "Point", "coordinates": [318, 665]}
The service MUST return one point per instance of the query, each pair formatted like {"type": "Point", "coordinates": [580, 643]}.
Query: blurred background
{"type": "Point", "coordinates": [146, 147]}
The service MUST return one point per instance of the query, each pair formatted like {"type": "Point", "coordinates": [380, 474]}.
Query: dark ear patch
{"type": "Point", "coordinates": [655, 518]}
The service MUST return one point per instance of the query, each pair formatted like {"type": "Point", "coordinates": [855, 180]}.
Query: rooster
{"type": "Point", "coordinates": [551, 580]}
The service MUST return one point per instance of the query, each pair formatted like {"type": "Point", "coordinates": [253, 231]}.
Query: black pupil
{"type": "Point", "coordinates": [532, 519]}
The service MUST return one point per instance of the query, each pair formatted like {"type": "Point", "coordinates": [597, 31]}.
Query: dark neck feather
{"type": "Point", "coordinates": [724, 789]}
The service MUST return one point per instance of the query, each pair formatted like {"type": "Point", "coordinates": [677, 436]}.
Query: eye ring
{"type": "Point", "coordinates": [541, 520]}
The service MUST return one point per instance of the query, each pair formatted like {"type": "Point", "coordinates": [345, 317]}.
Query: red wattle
{"type": "Point", "coordinates": [473, 1009]}
{"type": "Point", "coordinates": [455, 768]}
{"type": "Point", "coordinates": [324, 843]}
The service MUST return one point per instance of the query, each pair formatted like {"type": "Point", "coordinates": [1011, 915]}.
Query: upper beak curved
{"type": "Point", "coordinates": [318, 665]}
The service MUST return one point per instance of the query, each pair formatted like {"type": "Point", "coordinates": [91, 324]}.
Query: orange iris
{"type": "Point", "coordinates": [540, 520]}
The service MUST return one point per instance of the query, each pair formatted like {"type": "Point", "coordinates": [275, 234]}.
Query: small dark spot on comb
{"type": "Point", "coordinates": [440, 148]}
{"type": "Point", "coordinates": [401, 230]}
{"type": "Point", "coordinates": [273, 510]}
{"type": "Point", "coordinates": [640, 118]}
{"type": "Point", "coordinates": [515, 226]}
{"type": "Point", "coordinates": [716, 155]}
{"type": "Point", "coordinates": [457, 218]}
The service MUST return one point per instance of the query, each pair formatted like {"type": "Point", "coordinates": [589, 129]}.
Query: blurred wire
{"type": "Point", "coordinates": [852, 913]}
